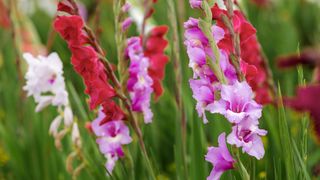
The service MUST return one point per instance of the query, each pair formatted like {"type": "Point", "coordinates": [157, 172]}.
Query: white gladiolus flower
{"type": "Point", "coordinates": [44, 75]}
{"type": "Point", "coordinates": [45, 83]}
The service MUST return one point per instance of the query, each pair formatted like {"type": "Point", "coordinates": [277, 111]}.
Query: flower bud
{"type": "Point", "coordinates": [68, 116]}
{"type": "Point", "coordinates": [75, 135]}
{"type": "Point", "coordinates": [53, 130]}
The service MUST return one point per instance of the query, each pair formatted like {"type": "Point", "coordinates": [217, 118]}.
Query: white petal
{"type": "Point", "coordinates": [44, 101]}
{"type": "Point", "coordinates": [53, 130]}
{"type": "Point", "coordinates": [75, 135]}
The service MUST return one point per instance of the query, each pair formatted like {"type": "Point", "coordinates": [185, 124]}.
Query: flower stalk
{"type": "Point", "coordinates": [120, 37]}
{"type": "Point", "coordinates": [235, 37]}
{"type": "Point", "coordinates": [205, 26]}
{"type": "Point", "coordinates": [242, 170]}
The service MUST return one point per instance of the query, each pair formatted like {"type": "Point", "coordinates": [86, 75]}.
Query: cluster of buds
{"type": "Point", "coordinates": [221, 80]}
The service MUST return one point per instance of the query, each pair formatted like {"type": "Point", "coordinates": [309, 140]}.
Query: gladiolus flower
{"type": "Point", "coordinates": [246, 134]}
{"type": "Point", "coordinates": [44, 76]}
{"type": "Point", "coordinates": [139, 82]}
{"type": "Point", "coordinates": [154, 50]}
{"type": "Point", "coordinates": [85, 59]}
{"type": "Point", "coordinates": [198, 49]}
{"type": "Point", "coordinates": [111, 136]}
{"type": "Point", "coordinates": [70, 28]}
{"type": "Point", "coordinates": [220, 158]}
{"type": "Point", "coordinates": [236, 103]}
{"type": "Point", "coordinates": [203, 92]}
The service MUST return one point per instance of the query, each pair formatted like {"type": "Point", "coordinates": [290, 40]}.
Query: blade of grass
{"type": "Point", "coordinates": [287, 153]}
{"type": "Point", "coordinates": [301, 162]}
{"type": "Point", "coordinates": [77, 100]}
{"type": "Point", "coordinates": [198, 168]}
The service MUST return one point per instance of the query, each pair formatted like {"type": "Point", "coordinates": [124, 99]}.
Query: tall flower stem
{"type": "Point", "coordinates": [242, 170]}
{"type": "Point", "coordinates": [178, 86]}
{"type": "Point", "coordinates": [205, 25]}
{"type": "Point", "coordinates": [120, 38]}
{"type": "Point", "coordinates": [119, 90]}
{"type": "Point", "coordinates": [236, 55]}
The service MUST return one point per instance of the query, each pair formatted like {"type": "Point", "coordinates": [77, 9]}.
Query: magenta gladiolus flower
{"type": "Point", "coordinates": [236, 103]}
{"type": "Point", "coordinates": [111, 136]}
{"type": "Point", "coordinates": [196, 38]}
{"type": "Point", "coordinates": [139, 82]}
{"type": "Point", "coordinates": [198, 50]}
{"type": "Point", "coordinates": [203, 92]}
{"type": "Point", "coordinates": [220, 158]}
{"type": "Point", "coordinates": [195, 3]}
{"type": "Point", "coordinates": [247, 134]}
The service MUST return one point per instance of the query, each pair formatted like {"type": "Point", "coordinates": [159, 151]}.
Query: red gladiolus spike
{"type": "Point", "coordinates": [99, 91]}
{"type": "Point", "coordinates": [85, 60]}
{"type": "Point", "coordinates": [250, 71]}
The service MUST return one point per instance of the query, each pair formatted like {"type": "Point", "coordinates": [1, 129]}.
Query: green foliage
{"type": "Point", "coordinates": [28, 152]}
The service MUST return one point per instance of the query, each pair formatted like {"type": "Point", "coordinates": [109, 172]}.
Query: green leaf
{"type": "Point", "coordinates": [301, 162]}
{"type": "Point", "coordinates": [285, 138]}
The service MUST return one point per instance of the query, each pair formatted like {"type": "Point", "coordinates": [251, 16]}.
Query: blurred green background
{"type": "Point", "coordinates": [28, 152]}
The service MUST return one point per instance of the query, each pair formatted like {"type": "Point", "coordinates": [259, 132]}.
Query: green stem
{"type": "Point", "coordinates": [205, 25]}
{"type": "Point", "coordinates": [242, 170]}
